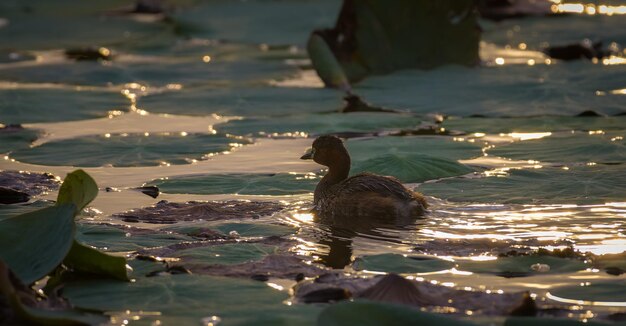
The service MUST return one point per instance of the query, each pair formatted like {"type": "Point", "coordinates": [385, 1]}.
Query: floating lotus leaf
{"type": "Point", "coordinates": [522, 265]}
{"type": "Point", "coordinates": [242, 229]}
{"type": "Point", "coordinates": [11, 140]}
{"type": "Point", "coordinates": [411, 167]}
{"type": "Point", "coordinates": [597, 291]}
{"type": "Point", "coordinates": [226, 254]}
{"type": "Point", "coordinates": [131, 150]}
{"type": "Point", "coordinates": [52, 105]}
{"type": "Point", "coordinates": [439, 147]}
{"type": "Point", "coordinates": [395, 263]}
{"type": "Point", "coordinates": [186, 299]}
{"type": "Point", "coordinates": [367, 313]}
{"type": "Point", "coordinates": [533, 124]}
{"type": "Point", "coordinates": [109, 238]}
{"type": "Point", "coordinates": [274, 184]}
{"type": "Point", "coordinates": [578, 185]}
{"type": "Point", "coordinates": [523, 321]}
{"type": "Point", "coordinates": [321, 123]}
{"type": "Point", "coordinates": [573, 148]}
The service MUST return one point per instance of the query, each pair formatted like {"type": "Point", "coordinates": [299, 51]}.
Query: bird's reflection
{"type": "Point", "coordinates": [343, 229]}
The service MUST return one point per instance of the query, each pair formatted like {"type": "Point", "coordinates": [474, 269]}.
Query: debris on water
{"type": "Point", "coordinates": [165, 212]}
{"type": "Point", "coordinates": [583, 50]}
{"type": "Point", "coordinates": [10, 196]}
{"type": "Point", "coordinates": [11, 127]}
{"type": "Point", "coordinates": [509, 274]}
{"type": "Point", "coordinates": [149, 258]}
{"type": "Point", "coordinates": [169, 270]}
{"type": "Point", "coordinates": [260, 277]}
{"type": "Point", "coordinates": [424, 294]}
{"type": "Point", "coordinates": [111, 189]}
{"type": "Point", "coordinates": [326, 295]}
{"type": "Point", "coordinates": [589, 113]}
{"type": "Point", "coordinates": [354, 103]}
{"type": "Point", "coordinates": [541, 268]}
{"type": "Point", "coordinates": [616, 271]}
{"type": "Point", "coordinates": [394, 288]}
{"type": "Point", "coordinates": [528, 307]}
{"type": "Point", "coordinates": [152, 191]}
{"type": "Point", "coordinates": [234, 234]}
{"type": "Point", "coordinates": [92, 53]}
{"type": "Point", "coordinates": [426, 131]}
{"type": "Point", "coordinates": [30, 183]}
{"type": "Point", "coordinates": [498, 10]}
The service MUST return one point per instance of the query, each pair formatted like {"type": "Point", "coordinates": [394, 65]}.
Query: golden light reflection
{"type": "Point", "coordinates": [529, 135]}
{"type": "Point", "coordinates": [619, 91]}
{"type": "Point", "coordinates": [588, 8]}
{"type": "Point", "coordinates": [304, 217]}
{"type": "Point", "coordinates": [613, 60]}
{"type": "Point", "coordinates": [586, 303]}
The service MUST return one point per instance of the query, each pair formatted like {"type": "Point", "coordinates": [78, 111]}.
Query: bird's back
{"type": "Point", "coordinates": [372, 196]}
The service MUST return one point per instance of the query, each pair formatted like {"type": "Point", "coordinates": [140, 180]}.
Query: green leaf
{"type": "Point", "coordinates": [395, 263]}
{"type": "Point", "coordinates": [578, 185]}
{"type": "Point", "coordinates": [79, 189]}
{"type": "Point", "coordinates": [226, 254]}
{"type": "Point", "coordinates": [411, 167]}
{"type": "Point", "coordinates": [89, 260]}
{"type": "Point", "coordinates": [326, 64]}
{"type": "Point", "coordinates": [366, 313]}
{"type": "Point", "coordinates": [35, 243]}
{"type": "Point", "coordinates": [602, 291]}
{"type": "Point", "coordinates": [522, 264]}
{"type": "Point", "coordinates": [524, 321]}
{"type": "Point", "coordinates": [186, 299]}
{"type": "Point", "coordinates": [243, 229]}
{"type": "Point", "coordinates": [61, 317]}
{"type": "Point", "coordinates": [110, 238]}
{"type": "Point", "coordinates": [378, 37]}
{"type": "Point", "coordinates": [275, 184]}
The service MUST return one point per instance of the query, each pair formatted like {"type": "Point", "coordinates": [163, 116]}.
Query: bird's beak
{"type": "Point", "coordinates": [308, 155]}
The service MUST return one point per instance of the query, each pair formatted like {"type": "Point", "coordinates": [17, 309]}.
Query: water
{"type": "Point", "coordinates": [219, 107]}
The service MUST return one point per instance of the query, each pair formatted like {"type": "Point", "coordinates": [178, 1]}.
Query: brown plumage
{"type": "Point", "coordinates": [365, 195]}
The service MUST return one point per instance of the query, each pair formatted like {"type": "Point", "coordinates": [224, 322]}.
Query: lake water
{"type": "Point", "coordinates": [219, 103]}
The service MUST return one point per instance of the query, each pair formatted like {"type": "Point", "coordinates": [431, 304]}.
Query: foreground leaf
{"type": "Point", "coordinates": [79, 189]}
{"type": "Point", "coordinates": [89, 260]}
{"type": "Point", "coordinates": [378, 37]}
{"type": "Point", "coordinates": [13, 292]}
{"type": "Point", "coordinates": [35, 243]}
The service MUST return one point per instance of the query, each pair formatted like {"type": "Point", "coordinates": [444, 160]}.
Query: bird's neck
{"type": "Point", "coordinates": [338, 171]}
